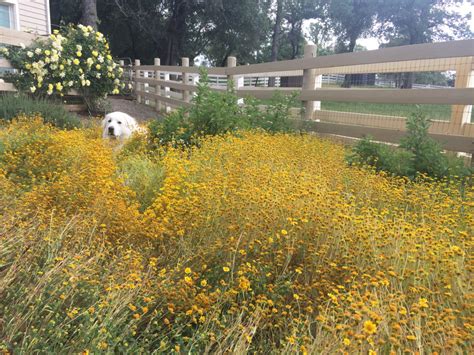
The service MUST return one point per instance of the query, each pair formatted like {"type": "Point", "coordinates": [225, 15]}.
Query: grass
{"type": "Point", "coordinates": [434, 112]}
{"type": "Point", "coordinates": [244, 244]}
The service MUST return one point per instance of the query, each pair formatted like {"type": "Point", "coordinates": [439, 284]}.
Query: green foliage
{"type": "Point", "coordinates": [417, 154]}
{"type": "Point", "coordinates": [72, 58]}
{"type": "Point", "coordinates": [272, 117]}
{"type": "Point", "coordinates": [52, 111]}
{"type": "Point", "coordinates": [382, 157]}
{"type": "Point", "coordinates": [144, 175]}
{"type": "Point", "coordinates": [215, 113]}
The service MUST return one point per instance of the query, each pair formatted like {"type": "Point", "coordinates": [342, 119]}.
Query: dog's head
{"type": "Point", "coordinates": [118, 125]}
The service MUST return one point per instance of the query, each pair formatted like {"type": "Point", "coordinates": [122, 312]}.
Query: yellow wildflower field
{"type": "Point", "coordinates": [256, 242]}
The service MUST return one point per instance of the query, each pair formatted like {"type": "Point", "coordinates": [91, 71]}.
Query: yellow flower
{"type": "Point", "coordinates": [226, 269]}
{"type": "Point", "coordinates": [76, 61]}
{"type": "Point", "coordinates": [204, 283]}
{"type": "Point", "coordinates": [95, 53]}
{"type": "Point", "coordinates": [98, 66]}
{"type": "Point", "coordinates": [346, 342]}
{"type": "Point", "coordinates": [284, 232]}
{"type": "Point", "coordinates": [296, 296]}
{"type": "Point", "coordinates": [47, 52]}
{"type": "Point", "coordinates": [411, 337]}
{"type": "Point", "coordinates": [370, 327]}
{"type": "Point", "coordinates": [187, 270]}
{"type": "Point", "coordinates": [79, 53]}
{"type": "Point", "coordinates": [423, 303]}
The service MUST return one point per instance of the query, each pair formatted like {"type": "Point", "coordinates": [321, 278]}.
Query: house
{"type": "Point", "coordinates": [25, 15]}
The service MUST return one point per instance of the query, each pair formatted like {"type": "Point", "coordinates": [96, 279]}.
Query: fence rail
{"type": "Point", "coordinates": [168, 87]}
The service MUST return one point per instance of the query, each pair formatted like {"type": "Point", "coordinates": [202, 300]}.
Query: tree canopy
{"type": "Point", "coordinates": [259, 30]}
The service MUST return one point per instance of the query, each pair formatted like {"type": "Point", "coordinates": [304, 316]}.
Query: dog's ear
{"type": "Point", "coordinates": [130, 122]}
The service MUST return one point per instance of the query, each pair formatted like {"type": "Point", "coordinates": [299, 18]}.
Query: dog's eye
{"type": "Point", "coordinates": [109, 121]}
{"type": "Point", "coordinates": [119, 122]}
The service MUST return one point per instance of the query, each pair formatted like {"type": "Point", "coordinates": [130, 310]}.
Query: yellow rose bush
{"type": "Point", "coordinates": [71, 58]}
{"type": "Point", "coordinates": [265, 243]}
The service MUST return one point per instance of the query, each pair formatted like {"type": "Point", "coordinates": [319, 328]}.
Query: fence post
{"type": "Point", "coordinates": [461, 114]}
{"type": "Point", "coordinates": [157, 62]}
{"type": "Point", "coordinates": [185, 76]}
{"type": "Point", "coordinates": [195, 79]}
{"type": "Point", "coordinates": [238, 81]}
{"type": "Point", "coordinates": [137, 84]}
{"type": "Point", "coordinates": [231, 63]}
{"type": "Point", "coordinates": [167, 92]}
{"type": "Point", "coordinates": [309, 81]}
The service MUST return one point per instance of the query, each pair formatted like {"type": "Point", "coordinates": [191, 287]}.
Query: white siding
{"type": "Point", "coordinates": [34, 15]}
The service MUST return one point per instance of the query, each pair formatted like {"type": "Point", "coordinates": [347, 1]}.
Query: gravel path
{"type": "Point", "coordinates": [140, 112]}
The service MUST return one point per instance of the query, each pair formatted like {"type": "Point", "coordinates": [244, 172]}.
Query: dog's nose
{"type": "Point", "coordinates": [111, 130]}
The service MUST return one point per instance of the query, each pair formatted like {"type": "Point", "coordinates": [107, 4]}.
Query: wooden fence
{"type": "Point", "coordinates": [168, 87]}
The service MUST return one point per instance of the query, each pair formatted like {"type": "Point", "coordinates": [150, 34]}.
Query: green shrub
{"type": "Point", "coordinates": [215, 113]}
{"type": "Point", "coordinates": [274, 117]}
{"type": "Point", "coordinates": [12, 105]}
{"type": "Point", "coordinates": [417, 154]}
{"type": "Point", "coordinates": [382, 157]}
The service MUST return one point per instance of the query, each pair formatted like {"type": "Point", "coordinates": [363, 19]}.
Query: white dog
{"type": "Point", "coordinates": [119, 125]}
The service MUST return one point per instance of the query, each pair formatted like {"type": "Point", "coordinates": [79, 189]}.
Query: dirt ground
{"type": "Point", "coordinates": [140, 112]}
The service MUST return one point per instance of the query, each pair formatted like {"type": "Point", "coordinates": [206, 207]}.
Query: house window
{"type": "Point", "coordinates": [6, 16]}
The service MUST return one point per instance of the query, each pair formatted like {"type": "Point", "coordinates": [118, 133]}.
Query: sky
{"type": "Point", "coordinates": [466, 7]}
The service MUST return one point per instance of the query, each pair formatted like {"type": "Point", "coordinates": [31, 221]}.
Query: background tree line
{"type": "Point", "coordinates": [258, 30]}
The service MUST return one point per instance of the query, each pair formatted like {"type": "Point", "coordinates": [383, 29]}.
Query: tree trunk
{"type": "Point", "coordinates": [348, 77]}
{"type": "Point", "coordinates": [175, 30]}
{"type": "Point", "coordinates": [89, 13]}
{"type": "Point", "coordinates": [276, 38]}
{"type": "Point", "coordinates": [408, 79]}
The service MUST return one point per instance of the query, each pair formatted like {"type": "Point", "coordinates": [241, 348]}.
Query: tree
{"type": "Point", "coordinates": [349, 21]}
{"type": "Point", "coordinates": [276, 37]}
{"type": "Point", "coordinates": [407, 22]}
{"type": "Point", "coordinates": [89, 13]}
{"type": "Point", "coordinates": [237, 28]}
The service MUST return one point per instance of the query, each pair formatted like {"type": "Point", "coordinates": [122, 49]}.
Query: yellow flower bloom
{"type": "Point", "coordinates": [370, 327]}
{"type": "Point", "coordinates": [423, 303]}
